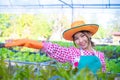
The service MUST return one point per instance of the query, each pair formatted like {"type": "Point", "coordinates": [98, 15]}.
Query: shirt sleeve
{"type": "Point", "coordinates": [102, 59]}
{"type": "Point", "coordinates": [61, 54]}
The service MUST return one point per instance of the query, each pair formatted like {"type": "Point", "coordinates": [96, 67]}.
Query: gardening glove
{"type": "Point", "coordinates": [25, 43]}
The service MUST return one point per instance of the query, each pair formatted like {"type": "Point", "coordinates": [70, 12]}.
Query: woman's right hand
{"type": "Point", "coordinates": [24, 42]}
{"type": "Point", "coordinates": [18, 42]}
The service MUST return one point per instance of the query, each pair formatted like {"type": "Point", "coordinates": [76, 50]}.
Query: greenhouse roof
{"type": "Point", "coordinates": [59, 3]}
{"type": "Point", "coordinates": [13, 5]}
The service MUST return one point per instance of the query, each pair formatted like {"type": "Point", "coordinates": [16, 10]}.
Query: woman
{"type": "Point", "coordinates": [81, 56]}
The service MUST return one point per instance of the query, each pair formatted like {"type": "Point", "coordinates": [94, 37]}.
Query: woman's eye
{"type": "Point", "coordinates": [79, 36]}
{"type": "Point", "coordinates": [75, 38]}
{"type": "Point", "coordinates": [82, 35]}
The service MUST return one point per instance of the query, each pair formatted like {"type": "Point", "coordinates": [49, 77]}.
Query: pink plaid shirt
{"type": "Point", "coordinates": [70, 54]}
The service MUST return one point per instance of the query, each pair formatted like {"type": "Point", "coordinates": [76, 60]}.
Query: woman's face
{"type": "Point", "coordinates": [81, 40]}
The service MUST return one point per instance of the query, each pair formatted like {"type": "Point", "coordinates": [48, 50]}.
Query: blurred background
{"type": "Point", "coordinates": [47, 19]}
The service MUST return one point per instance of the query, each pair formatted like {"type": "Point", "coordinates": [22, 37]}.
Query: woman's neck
{"type": "Point", "coordinates": [89, 48]}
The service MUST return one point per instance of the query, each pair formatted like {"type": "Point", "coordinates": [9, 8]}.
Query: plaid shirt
{"type": "Point", "coordinates": [70, 54]}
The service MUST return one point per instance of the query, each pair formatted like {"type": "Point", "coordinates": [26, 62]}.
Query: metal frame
{"type": "Point", "coordinates": [64, 4]}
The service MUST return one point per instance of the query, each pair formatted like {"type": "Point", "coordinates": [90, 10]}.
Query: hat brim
{"type": "Point", "coordinates": [92, 28]}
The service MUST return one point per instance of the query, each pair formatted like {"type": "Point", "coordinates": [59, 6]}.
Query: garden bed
{"type": "Point", "coordinates": [27, 65]}
{"type": "Point", "coordinates": [50, 70]}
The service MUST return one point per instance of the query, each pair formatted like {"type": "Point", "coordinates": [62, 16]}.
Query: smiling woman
{"type": "Point", "coordinates": [79, 57]}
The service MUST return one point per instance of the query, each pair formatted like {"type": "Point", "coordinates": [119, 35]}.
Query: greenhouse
{"type": "Point", "coordinates": [35, 42]}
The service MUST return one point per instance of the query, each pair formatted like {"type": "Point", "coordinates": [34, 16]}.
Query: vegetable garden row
{"type": "Point", "coordinates": [28, 64]}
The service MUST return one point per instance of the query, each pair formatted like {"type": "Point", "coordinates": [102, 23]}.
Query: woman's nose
{"type": "Point", "coordinates": [80, 39]}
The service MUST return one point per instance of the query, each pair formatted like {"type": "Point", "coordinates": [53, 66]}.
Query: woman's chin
{"type": "Point", "coordinates": [83, 47]}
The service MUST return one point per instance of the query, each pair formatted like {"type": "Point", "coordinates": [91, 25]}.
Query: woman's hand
{"type": "Point", "coordinates": [18, 42]}
{"type": "Point", "coordinates": [24, 42]}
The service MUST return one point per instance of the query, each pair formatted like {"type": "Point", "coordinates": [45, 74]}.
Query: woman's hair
{"type": "Point", "coordinates": [87, 34]}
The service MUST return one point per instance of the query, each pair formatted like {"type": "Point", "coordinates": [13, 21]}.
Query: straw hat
{"type": "Point", "coordinates": [79, 26]}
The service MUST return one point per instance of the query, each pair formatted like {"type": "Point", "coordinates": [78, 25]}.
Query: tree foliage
{"type": "Point", "coordinates": [4, 22]}
{"type": "Point", "coordinates": [36, 26]}
{"type": "Point", "coordinates": [26, 26]}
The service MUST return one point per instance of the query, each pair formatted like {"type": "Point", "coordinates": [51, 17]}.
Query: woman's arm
{"type": "Point", "coordinates": [25, 43]}
{"type": "Point", "coordinates": [102, 59]}
{"type": "Point", "coordinates": [61, 54]}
